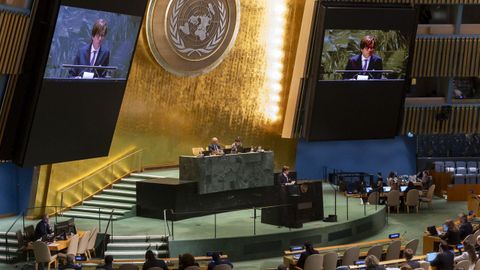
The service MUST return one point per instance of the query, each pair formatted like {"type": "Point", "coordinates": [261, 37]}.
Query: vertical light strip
{"type": "Point", "coordinates": [275, 16]}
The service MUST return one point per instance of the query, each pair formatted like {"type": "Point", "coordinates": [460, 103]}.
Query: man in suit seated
{"type": "Point", "coordinates": [215, 147]}
{"type": "Point", "coordinates": [309, 250]}
{"type": "Point", "coordinates": [93, 54]}
{"type": "Point", "coordinates": [43, 229]}
{"type": "Point", "coordinates": [365, 61]}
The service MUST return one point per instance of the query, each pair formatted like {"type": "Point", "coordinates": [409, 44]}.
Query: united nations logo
{"type": "Point", "coordinates": [191, 37]}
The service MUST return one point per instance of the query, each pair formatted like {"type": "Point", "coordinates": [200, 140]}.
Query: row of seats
{"type": "Point", "coordinates": [448, 145]}
{"type": "Point", "coordinates": [413, 199]}
{"type": "Point", "coordinates": [465, 172]}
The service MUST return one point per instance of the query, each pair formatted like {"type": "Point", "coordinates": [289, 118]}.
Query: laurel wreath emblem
{"type": "Point", "coordinates": [177, 40]}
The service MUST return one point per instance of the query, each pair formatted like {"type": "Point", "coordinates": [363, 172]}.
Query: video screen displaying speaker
{"type": "Point", "coordinates": [89, 46]}
{"type": "Point", "coordinates": [357, 75]}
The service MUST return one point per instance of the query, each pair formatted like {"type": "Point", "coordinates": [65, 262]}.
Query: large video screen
{"type": "Point", "coordinates": [364, 54]}
{"type": "Point", "coordinates": [92, 44]}
{"type": "Point", "coordinates": [82, 58]}
{"type": "Point", "coordinates": [357, 74]}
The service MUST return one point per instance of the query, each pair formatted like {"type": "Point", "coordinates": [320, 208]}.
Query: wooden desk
{"type": "Point", "coordinates": [289, 260]}
{"type": "Point", "coordinates": [429, 243]}
{"type": "Point", "coordinates": [59, 244]}
{"type": "Point", "coordinates": [390, 262]}
{"type": "Point", "coordinates": [172, 263]}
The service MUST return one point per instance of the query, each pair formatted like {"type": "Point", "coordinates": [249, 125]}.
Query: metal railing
{"type": "Point", "coordinates": [100, 179]}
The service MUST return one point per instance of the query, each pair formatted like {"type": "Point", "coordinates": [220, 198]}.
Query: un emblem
{"type": "Point", "coordinates": [191, 37]}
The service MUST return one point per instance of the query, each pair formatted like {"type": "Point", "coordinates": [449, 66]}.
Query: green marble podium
{"type": "Point", "coordinates": [228, 172]}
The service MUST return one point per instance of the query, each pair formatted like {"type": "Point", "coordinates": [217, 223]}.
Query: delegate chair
{"type": "Point", "coordinates": [459, 177]}
{"type": "Point", "coordinates": [439, 166]}
{"type": "Point", "coordinates": [472, 167]}
{"type": "Point", "coordinates": [450, 166]}
{"type": "Point", "coordinates": [30, 233]}
{"type": "Point", "coordinates": [330, 261]}
{"type": "Point", "coordinates": [197, 151]}
{"type": "Point", "coordinates": [413, 245]}
{"type": "Point", "coordinates": [91, 243]}
{"type": "Point", "coordinates": [462, 265]}
{"type": "Point", "coordinates": [72, 248]}
{"type": "Point", "coordinates": [412, 200]}
{"type": "Point", "coordinates": [428, 199]}
{"type": "Point", "coordinates": [314, 262]}
{"type": "Point", "coordinates": [82, 245]}
{"type": "Point", "coordinates": [376, 251]}
{"type": "Point", "coordinates": [393, 200]}
{"type": "Point", "coordinates": [393, 250]}
{"type": "Point", "coordinates": [42, 255]}
{"type": "Point", "coordinates": [373, 198]}
{"type": "Point", "coordinates": [461, 164]}
{"type": "Point", "coordinates": [350, 256]}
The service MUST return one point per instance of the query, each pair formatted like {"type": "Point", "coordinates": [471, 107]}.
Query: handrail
{"type": "Point", "coordinates": [7, 253]}
{"type": "Point", "coordinates": [98, 171]}
{"type": "Point", "coordinates": [106, 231]}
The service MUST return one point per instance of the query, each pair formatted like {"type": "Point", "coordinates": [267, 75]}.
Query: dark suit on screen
{"type": "Point", "coordinates": [355, 63]}
{"type": "Point", "coordinates": [83, 58]}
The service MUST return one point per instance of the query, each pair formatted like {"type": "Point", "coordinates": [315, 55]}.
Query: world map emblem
{"type": "Point", "coordinates": [192, 37]}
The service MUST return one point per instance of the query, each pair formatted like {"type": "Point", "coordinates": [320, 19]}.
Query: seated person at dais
{"type": "Point", "coordinates": [452, 234]}
{"type": "Point", "coordinates": [392, 179]}
{"type": "Point", "coordinates": [214, 147]}
{"type": "Point", "coordinates": [309, 250]}
{"type": "Point", "coordinates": [237, 145]}
{"type": "Point", "coordinates": [43, 229]}
{"type": "Point", "coordinates": [372, 263]}
{"type": "Point", "coordinates": [216, 260]}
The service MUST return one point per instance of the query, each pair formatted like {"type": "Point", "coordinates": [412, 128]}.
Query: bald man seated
{"type": "Point", "coordinates": [215, 148]}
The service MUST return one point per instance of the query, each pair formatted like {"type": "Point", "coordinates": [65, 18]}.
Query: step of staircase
{"type": "Point", "coordinates": [13, 249]}
{"type": "Point", "coordinates": [134, 245]}
{"type": "Point", "coordinates": [131, 180]}
{"type": "Point", "coordinates": [89, 215]}
{"type": "Point", "coordinates": [134, 254]}
{"type": "Point", "coordinates": [146, 175]}
{"type": "Point", "coordinates": [113, 198]}
{"type": "Point", "coordinates": [139, 238]}
{"type": "Point", "coordinates": [108, 204]}
{"type": "Point", "coordinates": [11, 254]}
{"type": "Point", "coordinates": [120, 192]}
{"type": "Point", "coordinates": [108, 211]}
{"type": "Point", "coordinates": [125, 186]}
{"type": "Point", "coordinates": [10, 234]}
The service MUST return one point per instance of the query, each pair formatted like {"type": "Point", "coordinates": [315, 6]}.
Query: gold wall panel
{"type": "Point", "coordinates": [167, 115]}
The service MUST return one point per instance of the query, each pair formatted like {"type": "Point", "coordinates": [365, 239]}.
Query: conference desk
{"type": "Point", "coordinates": [390, 262]}
{"type": "Point", "coordinates": [228, 172]}
{"type": "Point", "coordinates": [58, 245]}
{"type": "Point", "coordinates": [289, 260]}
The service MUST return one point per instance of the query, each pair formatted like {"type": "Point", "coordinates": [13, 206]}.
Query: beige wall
{"type": "Point", "coordinates": [167, 115]}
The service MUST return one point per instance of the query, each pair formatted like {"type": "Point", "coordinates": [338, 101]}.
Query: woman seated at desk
{"type": "Point", "coordinates": [452, 234]}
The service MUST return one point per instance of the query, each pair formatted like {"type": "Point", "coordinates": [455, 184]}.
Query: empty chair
{"type": "Point", "coordinates": [330, 261]}
{"type": "Point", "coordinates": [350, 256]}
{"type": "Point", "coordinates": [413, 245]}
{"type": "Point", "coordinates": [376, 251]}
{"type": "Point", "coordinates": [449, 166]}
{"type": "Point", "coordinates": [29, 233]}
{"type": "Point", "coordinates": [128, 267]}
{"type": "Point", "coordinates": [82, 245]}
{"type": "Point", "coordinates": [393, 200]}
{"type": "Point", "coordinates": [373, 198]}
{"type": "Point", "coordinates": [461, 164]}
{"type": "Point", "coordinates": [462, 265]}
{"type": "Point", "coordinates": [314, 262]}
{"type": "Point", "coordinates": [439, 166]}
{"type": "Point", "coordinates": [472, 167]}
{"type": "Point", "coordinates": [428, 199]}
{"type": "Point", "coordinates": [72, 248]}
{"type": "Point", "coordinates": [197, 151]}
{"type": "Point", "coordinates": [393, 250]}
{"type": "Point", "coordinates": [42, 255]}
{"type": "Point", "coordinates": [91, 243]}
{"type": "Point", "coordinates": [459, 177]}
{"type": "Point", "coordinates": [412, 200]}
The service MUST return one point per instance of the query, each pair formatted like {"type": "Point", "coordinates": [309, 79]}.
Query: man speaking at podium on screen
{"type": "Point", "coordinates": [93, 54]}
{"type": "Point", "coordinates": [365, 61]}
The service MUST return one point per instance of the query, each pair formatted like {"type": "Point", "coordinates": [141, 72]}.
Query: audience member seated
{"type": "Point", "coordinates": [452, 235]}
{"type": "Point", "coordinates": [444, 259]}
{"type": "Point", "coordinates": [392, 179]}
{"type": "Point", "coordinates": [309, 250]}
{"type": "Point", "coordinates": [408, 256]}
{"type": "Point", "coordinates": [410, 186]}
{"type": "Point", "coordinates": [185, 261]}
{"type": "Point", "coordinates": [469, 255]}
{"type": "Point", "coordinates": [465, 227]}
{"type": "Point", "coordinates": [216, 260]}
{"type": "Point", "coordinates": [406, 267]}
{"type": "Point", "coordinates": [152, 261]}
{"type": "Point", "coordinates": [372, 263]}
{"type": "Point", "coordinates": [477, 246]}
{"type": "Point", "coordinates": [71, 263]}
{"type": "Point", "coordinates": [108, 263]}
{"type": "Point", "coordinates": [43, 229]}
